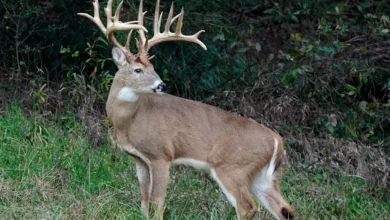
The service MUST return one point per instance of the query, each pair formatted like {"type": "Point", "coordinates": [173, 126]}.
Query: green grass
{"type": "Point", "coordinates": [49, 170]}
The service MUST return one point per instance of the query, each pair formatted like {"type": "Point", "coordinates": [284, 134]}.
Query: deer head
{"type": "Point", "coordinates": [136, 72]}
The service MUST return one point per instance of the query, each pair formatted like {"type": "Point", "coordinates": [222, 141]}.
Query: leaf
{"type": "Point", "coordinates": [165, 75]}
{"type": "Point", "coordinates": [349, 87]}
{"type": "Point", "coordinates": [243, 49]}
{"type": "Point", "coordinates": [297, 12]}
{"type": "Point", "coordinates": [103, 41]}
{"type": "Point", "coordinates": [337, 10]}
{"type": "Point", "coordinates": [102, 64]}
{"type": "Point", "coordinates": [75, 54]}
{"type": "Point", "coordinates": [271, 57]}
{"type": "Point", "coordinates": [317, 57]}
{"type": "Point", "coordinates": [42, 87]}
{"type": "Point", "coordinates": [63, 50]}
{"type": "Point", "coordinates": [322, 23]}
{"type": "Point", "coordinates": [307, 68]}
{"type": "Point", "coordinates": [363, 105]}
{"type": "Point", "coordinates": [330, 127]}
{"type": "Point", "coordinates": [233, 44]}
{"type": "Point", "coordinates": [340, 23]}
{"type": "Point", "coordinates": [365, 4]}
{"type": "Point", "coordinates": [258, 47]}
{"type": "Point", "coordinates": [219, 37]}
{"type": "Point", "coordinates": [296, 37]}
{"type": "Point", "coordinates": [95, 91]}
{"type": "Point", "coordinates": [268, 11]}
{"type": "Point", "coordinates": [385, 20]}
{"type": "Point", "coordinates": [294, 18]}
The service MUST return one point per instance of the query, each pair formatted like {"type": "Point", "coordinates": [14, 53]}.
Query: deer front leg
{"type": "Point", "coordinates": [143, 175]}
{"type": "Point", "coordinates": [159, 178]}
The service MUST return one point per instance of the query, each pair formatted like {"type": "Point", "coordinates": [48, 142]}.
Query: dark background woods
{"type": "Point", "coordinates": [316, 71]}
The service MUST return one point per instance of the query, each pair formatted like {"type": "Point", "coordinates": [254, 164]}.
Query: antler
{"type": "Point", "coordinates": [143, 44]}
{"type": "Point", "coordinates": [113, 24]}
{"type": "Point", "coordinates": [166, 35]}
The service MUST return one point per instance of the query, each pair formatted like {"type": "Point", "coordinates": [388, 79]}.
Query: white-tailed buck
{"type": "Point", "coordinates": [242, 156]}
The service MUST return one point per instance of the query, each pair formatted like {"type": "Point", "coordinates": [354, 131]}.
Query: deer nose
{"type": "Point", "coordinates": [162, 87]}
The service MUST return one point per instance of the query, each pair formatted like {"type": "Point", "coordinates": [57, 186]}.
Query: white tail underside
{"type": "Point", "coordinates": [264, 180]}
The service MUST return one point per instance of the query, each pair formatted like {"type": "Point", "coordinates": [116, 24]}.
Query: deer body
{"type": "Point", "coordinates": [242, 156]}
{"type": "Point", "coordinates": [169, 128]}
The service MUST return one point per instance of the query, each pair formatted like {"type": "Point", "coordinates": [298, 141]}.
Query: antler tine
{"type": "Point", "coordinates": [128, 40]}
{"type": "Point", "coordinates": [157, 21]}
{"type": "Point", "coordinates": [127, 47]}
{"type": "Point", "coordinates": [169, 20]}
{"type": "Point", "coordinates": [179, 24]}
{"type": "Point", "coordinates": [108, 11]}
{"type": "Point", "coordinates": [116, 25]}
{"type": "Point", "coordinates": [96, 17]}
{"type": "Point", "coordinates": [174, 18]}
{"type": "Point", "coordinates": [141, 14]}
{"type": "Point", "coordinates": [159, 24]}
{"type": "Point", "coordinates": [159, 37]}
{"type": "Point", "coordinates": [113, 24]}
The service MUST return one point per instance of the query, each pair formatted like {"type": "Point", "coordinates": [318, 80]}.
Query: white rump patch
{"type": "Point", "coordinates": [127, 94]}
{"type": "Point", "coordinates": [228, 195]}
{"type": "Point", "coordinates": [140, 173]}
{"type": "Point", "coordinates": [197, 164]}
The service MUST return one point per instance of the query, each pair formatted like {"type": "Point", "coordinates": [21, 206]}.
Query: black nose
{"type": "Point", "coordinates": [162, 87]}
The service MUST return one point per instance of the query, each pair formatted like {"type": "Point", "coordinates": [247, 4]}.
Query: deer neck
{"type": "Point", "coordinates": [122, 103]}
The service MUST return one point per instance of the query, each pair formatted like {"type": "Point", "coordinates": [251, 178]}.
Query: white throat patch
{"type": "Point", "coordinates": [127, 94]}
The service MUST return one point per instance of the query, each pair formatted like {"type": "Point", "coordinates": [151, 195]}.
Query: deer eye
{"type": "Point", "coordinates": [138, 70]}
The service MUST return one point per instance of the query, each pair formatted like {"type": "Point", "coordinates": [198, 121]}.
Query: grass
{"type": "Point", "coordinates": [49, 170]}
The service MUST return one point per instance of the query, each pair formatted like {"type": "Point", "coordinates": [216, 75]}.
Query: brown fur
{"type": "Point", "coordinates": [158, 129]}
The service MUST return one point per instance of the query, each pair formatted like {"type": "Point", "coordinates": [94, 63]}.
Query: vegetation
{"type": "Point", "coordinates": [318, 72]}
{"type": "Point", "coordinates": [49, 170]}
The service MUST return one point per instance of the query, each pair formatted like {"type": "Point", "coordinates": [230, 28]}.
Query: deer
{"type": "Point", "coordinates": [244, 157]}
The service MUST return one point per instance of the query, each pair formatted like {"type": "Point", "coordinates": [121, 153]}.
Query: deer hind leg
{"type": "Point", "coordinates": [159, 181]}
{"type": "Point", "coordinates": [236, 191]}
{"type": "Point", "coordinates": [265, 187]}
{"type": "Point", "coordinates": [144, 185]}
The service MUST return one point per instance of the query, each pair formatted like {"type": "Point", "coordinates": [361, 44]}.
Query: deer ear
{"type": "Point", "coordinates": [119, 57]}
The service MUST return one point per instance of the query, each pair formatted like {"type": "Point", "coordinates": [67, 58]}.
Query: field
{"type": "Point", "coordinates": [49, 170]}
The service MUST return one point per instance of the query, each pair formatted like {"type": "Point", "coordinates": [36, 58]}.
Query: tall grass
{"type": "Point", "coordinates": [49, 170]}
